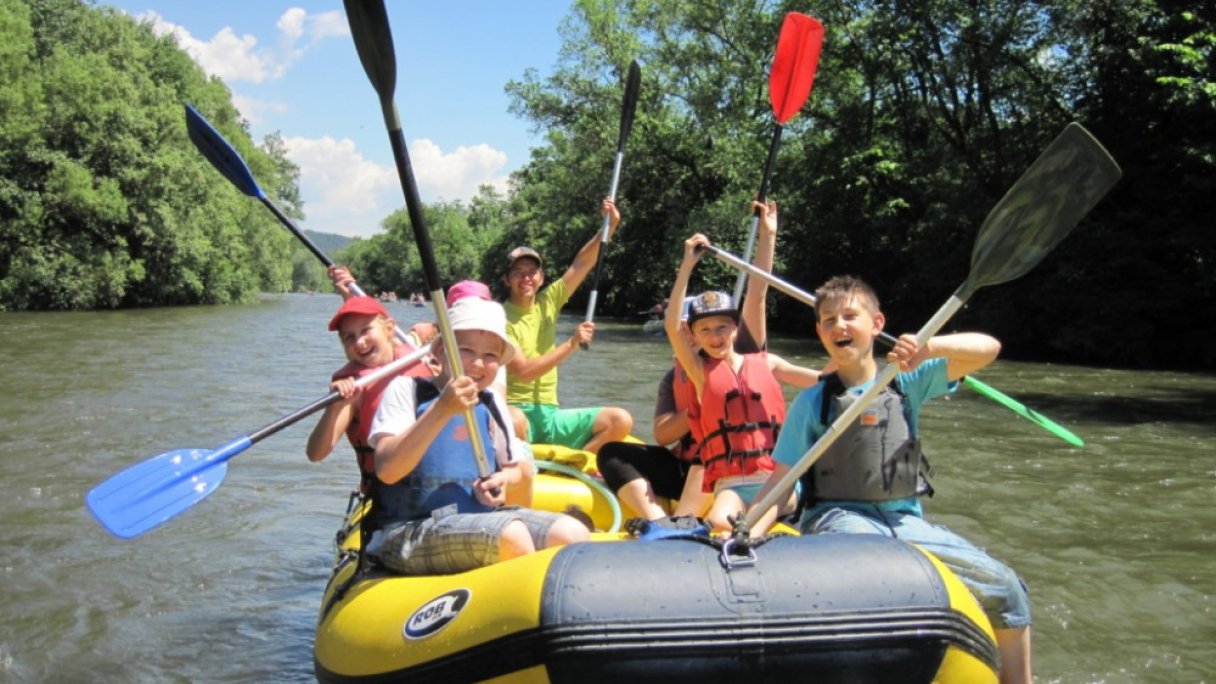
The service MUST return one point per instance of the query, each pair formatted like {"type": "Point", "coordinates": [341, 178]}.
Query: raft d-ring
{"type": "Point", "coordinates": [731, 561]}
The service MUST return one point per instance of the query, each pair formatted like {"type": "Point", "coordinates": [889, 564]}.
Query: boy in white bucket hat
{"type": "Point", "coordinates": [431, 511]}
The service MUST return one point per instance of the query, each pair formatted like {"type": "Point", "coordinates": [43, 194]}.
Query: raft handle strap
{"type": "Point", "coordinates": [746, 557]}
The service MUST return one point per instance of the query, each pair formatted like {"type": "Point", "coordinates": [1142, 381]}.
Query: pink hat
{"type": "Point", "coordinates": [357, 305]}
{"type": "Point", "coordinates": [468, 288]}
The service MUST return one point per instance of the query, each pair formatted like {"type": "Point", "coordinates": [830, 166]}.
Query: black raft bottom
{"type": "Point", "coordinates": [835, 608]}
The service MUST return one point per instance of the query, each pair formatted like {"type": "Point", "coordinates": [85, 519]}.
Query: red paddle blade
{"type": "Point", "coordinates": [793, 74]}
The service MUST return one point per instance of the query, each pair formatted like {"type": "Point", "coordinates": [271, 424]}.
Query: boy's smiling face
{"type": "Point", "coordinates": [847, 327]}
{"type": "Point", "coordinates": [480, 355]}
{"type": "Point", "coordinates": [524, 279]}
{"type": "Point", "coordinates": [715, 335]}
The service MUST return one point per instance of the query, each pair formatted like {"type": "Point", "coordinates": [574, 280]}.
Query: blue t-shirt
{"type": "Point", "coordinates": [802, 427]}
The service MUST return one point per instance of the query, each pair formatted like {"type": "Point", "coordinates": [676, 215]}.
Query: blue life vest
{"type": "Point", "coordinates": [445, 474]}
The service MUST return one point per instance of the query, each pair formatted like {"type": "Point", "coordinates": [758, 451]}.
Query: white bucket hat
{"type": "Point", "coordinates": [478, 314]}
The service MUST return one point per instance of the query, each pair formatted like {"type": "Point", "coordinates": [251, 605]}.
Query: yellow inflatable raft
{"type": "Point", "coordinates": [833, 608]}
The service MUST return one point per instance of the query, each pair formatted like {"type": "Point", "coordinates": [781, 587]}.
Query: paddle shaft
{"type": "Point", "coordinates": [629, 103]}
{"type": "Point", "coordinates": [890, 340]}
{"type": "Point", "coordinates": [761, 197]}
{"type": "Point", "coordinates": [379, 374]}
{"type": "Point", "coordinates": [374, 43]}
{"type": "Point", "coordinates": [599, 259]}
{"type": "Point", "coordinates": [224, 157]}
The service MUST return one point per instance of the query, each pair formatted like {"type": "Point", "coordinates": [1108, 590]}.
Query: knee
{"type": "Point", "coordinates": [519, 423]}
{"type": "Point", "coordinates": [515, 541]}
{"type": "Point", "coordinates": [566, 530]}
{"type": "Point", "coordinates": [617, 421]}
{"type": "Point", "coordinates": [718, 521]}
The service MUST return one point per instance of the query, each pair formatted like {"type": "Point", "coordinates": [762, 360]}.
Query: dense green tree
{"type": "Point", "coordinates": [461, 237]}
{"type": "Point", "coordinates": [923, 114]}
{"type": "Point", "coordinates": [103, 200]}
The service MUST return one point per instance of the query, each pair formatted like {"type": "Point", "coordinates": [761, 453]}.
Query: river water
{"type": "Point", "coordinates": [1117, 540]}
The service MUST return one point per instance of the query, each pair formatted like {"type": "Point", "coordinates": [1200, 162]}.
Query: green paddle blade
{"type": "Point", "coordinates": [1043, 207]}
{"type": "Point", "coordinates": [1023, 410]}
{"type": "Point", "coordinates": [151, 492]}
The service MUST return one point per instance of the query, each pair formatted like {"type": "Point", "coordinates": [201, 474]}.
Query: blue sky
{"type": "Point", "coordinates": [292, 68]}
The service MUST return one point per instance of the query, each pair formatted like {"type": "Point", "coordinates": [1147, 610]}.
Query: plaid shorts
{"type": "Point", "coordinates": [454, 543]}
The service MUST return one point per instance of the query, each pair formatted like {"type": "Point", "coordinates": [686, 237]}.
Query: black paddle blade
{"type": "Point", "coordinates": [1043, 207]}
{"type": "Point", "coordinates": [629, 104]}
{"type": "Point", "coordinates": [374, 43]}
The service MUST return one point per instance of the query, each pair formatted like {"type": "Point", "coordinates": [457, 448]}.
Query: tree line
{"type": "Point", "coordinates": [922, 115]}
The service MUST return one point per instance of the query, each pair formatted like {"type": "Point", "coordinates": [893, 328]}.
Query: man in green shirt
{"type": "Point", "coordinates": [532, 325]}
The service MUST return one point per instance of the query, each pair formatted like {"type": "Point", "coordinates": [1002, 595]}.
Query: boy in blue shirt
{"type": "Point", "coordinates": [870, 480]}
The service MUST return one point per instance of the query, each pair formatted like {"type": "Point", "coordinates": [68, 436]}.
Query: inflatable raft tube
{"type": "Point", "coordinates": [831, 608]}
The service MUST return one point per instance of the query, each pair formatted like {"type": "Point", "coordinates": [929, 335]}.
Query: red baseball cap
{"type": "Point", "coordinates": [357, 305]}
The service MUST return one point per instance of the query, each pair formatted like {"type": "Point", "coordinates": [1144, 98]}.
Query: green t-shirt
{"type": "Point", "coordinates": [535, 331]}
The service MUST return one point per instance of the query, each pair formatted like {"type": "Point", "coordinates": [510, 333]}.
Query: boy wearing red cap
{"type": "Point", "coordinates": [532, 375]}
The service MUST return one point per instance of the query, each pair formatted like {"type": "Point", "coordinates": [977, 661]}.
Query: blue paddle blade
{"type": "Point", "coordinates": [153, 491]}
{"type": "Point", "coordinates": [222, 155]}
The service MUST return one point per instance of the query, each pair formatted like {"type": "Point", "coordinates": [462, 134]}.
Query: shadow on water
{"type": "Point", "coordinates": [1196, 407]}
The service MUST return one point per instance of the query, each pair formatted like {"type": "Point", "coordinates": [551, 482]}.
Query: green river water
{"type": "Point", "coordinates": [1117, 540]}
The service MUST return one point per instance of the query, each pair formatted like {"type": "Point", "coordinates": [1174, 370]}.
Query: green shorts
{"type": "Point", "coordinates": [548, 424]}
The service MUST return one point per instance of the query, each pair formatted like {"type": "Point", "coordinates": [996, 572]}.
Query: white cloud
{"type": "Point", "coordinates": [348, 194]}
{"type": "Point", "coordinates": [343, 192]}
{"type": "Point", "coordinates": [254, 110]}
{"type": "Point", "coordinates": [239, 58]}
{"type": "Point", "coordinates": [456, 176]}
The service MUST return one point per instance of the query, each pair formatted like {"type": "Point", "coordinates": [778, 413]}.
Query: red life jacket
{"type": "Point", "coordinates": [738, 418]}
{"type": "Point", "coordinates": [361, 421]}
{"type": "Point", "coordinates": [685, 395]}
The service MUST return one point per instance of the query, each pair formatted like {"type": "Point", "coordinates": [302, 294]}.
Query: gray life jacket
{"type": "Point", "coordinates": [877, 458]}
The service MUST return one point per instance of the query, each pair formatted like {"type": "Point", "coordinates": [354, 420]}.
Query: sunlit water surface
{"type": "Point", "coordinates": [1116, 540]}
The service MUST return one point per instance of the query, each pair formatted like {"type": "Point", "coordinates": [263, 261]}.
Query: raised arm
{"type": "Point", "coordinates": [333, 422]}
{"type": "Point", "coordinates": [792, 374]}
{"type": "Point", "coordinates": [685, 355]}
{"type": "Point", "coordinates": [753, 311]}
{"type": "Point", "coordinates": [584, 261]}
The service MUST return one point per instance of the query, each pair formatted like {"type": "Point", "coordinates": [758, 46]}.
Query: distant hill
{"type": "Point", "coordinates": [329, 243]}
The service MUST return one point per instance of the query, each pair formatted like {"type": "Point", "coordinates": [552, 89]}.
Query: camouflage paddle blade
{"type": "Point", "coordinates": [1043, 207]}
